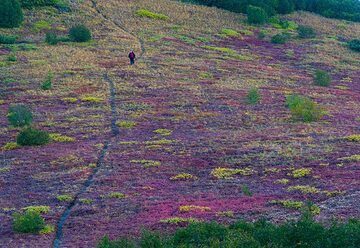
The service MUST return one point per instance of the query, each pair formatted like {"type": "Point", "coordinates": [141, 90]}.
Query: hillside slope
{"type": "Point", "coordinates": [172, 138]}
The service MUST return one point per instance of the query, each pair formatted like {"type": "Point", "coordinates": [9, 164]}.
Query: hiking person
{"type": "Point", "coordinates": [132, 57]}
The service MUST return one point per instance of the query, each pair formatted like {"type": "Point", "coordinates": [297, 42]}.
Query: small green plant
{"type": "Point", "coordinates": [322, 78]}
{"type": "Point", "coordinates": [7, 39]}
{"type": "Point", "coordinates": [253, 96]}
{"type": "Point", "coordinates": [246, 190]}
{"type": "Point", "coordinates": [303, 108]}
{"type": "Point", "coordinates": [281, 38]}
{"type": "Point", "coordinates": [229, 32]}
{"type": "Point", "coordinates": [306, 32]}
{"type": "Point", "coordinates": [256, 15]}
{"type": "Point", "coordinates": [80, 33]}
{"type": "Point", "coordinates": [61, 138]}
{"type": "Point", "coordinates": [11, 58]}
{"type": "Point", "coordinates": [126, 124]}
{"type": "Point", "coordinates": [105, 242]}
{"type": "Point", "coordinates": [65, 198]}
{"type": "Point", "coordinates": [150, 14]}
{"type": "Point", "coordinates": [28, 222]}
{"type": "Point", "coordinates": [32, 137]}
{"type": "Point", "coordinates": [10, 146]}
{"type": "Point", "coordinates": [51, 38]}
{"type": "Point", "coordinates": [354, 45]}
{"type": "Point", "coordinates": [47, 84]}
{"type": "Point", "coordinates": [19, 115]}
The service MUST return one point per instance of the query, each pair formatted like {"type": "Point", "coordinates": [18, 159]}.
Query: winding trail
{"type": "Point", "coordinates": [121, 27]}
{"type": "Point", "coordinates": [114, 130]}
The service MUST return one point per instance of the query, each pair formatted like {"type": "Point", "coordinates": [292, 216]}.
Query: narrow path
{"type": "Point", "coordinates": [99, 164]}
{"type": "Point", "coordinates": [122, 27]}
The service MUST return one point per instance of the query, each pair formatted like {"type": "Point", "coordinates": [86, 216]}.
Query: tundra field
{"type": "Point", "coordinates": [173, 139]}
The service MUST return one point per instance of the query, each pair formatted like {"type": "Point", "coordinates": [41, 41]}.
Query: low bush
{"type": "Point", "coordinates": [47, 84]}
{"type": "Point", "coordinates": [51, 38]}
{"type": "Point", "coordinates": [322, 78]}
{"type": "Point", "coordinates": [253, 96]}
{"type": "Point", "coordinates": [7, 39]}
{"type": "Point", "coordinates": [32, 137]}
{"type": "Point", "coordinates": [80, 33]}
{"type": "Point", "coordinates": [19, 115]}
{"type": "Point", "coordinates": [354, 45]}
{"type": "Point", "coordinates": [303, 108]}
{"type": "Point", "coordinates": [28, 222]}
{"type": "Point", "coordinates": [256, 15]}
{"type": "Point", "coordinates": [11, 15]}
{"type": "Point", "coordinates": [306, 32]}
{"type": "Point", "coordinates": [280, 38]}
{"type": "Point", "coordinates": [37, 3]}
{"type": "Point", "coordinates": [303, 233]}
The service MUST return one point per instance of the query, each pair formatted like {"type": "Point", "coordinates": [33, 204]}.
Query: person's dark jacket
{"type": "Point", "coordinates": [132, 55]}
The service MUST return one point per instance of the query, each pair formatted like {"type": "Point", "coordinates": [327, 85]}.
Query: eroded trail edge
{"type": "Point", "coordinates": [99, 164]}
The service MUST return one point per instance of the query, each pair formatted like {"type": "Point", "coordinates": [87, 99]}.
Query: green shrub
{"type": "Point", "coordinates": [7, 39]}
{"type": "Point", "coordinates": [11, 58]}
{"type": "Point", "coordinates": [354, 45]}
{"type": "Point", "coordinates": [47, 84]}
{"type": "Point", "coordinates": [28, 222]}
{"type": "Point", "coordinates": [37, 3]}
{"type": "Point", "coordinates": [306, 32]}
{"type": "Point", "coordinates": [51, 38]}
{"type": "Point", "coordinates": [11, 15]}
{"type": "Point", "coordinates": [303, 233]}
{"type": "Point", "coordinates": [280, 38]}
{"type": "Point", "coordinates": [19, 115]}
{"type": "Point", "coordinates": [322, 78]}
{"type": "Point", "coordinates": [253, 96]}
{"type": "Point", "coordinates": [285, 6]}
{"type": "Point", "coordinates": [303, 108]}
{"type": "Point", "coordinates": [105, 242]}
{"type": "Point", "coordinates": [32, 137]}
{"type": "Point", "coordinates": [256, 15]}
{"type": "Point", "coordinates": [80, 33]}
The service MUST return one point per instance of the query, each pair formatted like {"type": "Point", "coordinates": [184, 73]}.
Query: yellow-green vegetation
{"type": "Point", "coordinates": [117, 195]}
{"type": "Point", "coordinates": [305, 189]}
{"type": "Point", "coordinates": [47, 229]}
{"type": "Point", "coordinates": [282, 181]}
{"type": "Point", "coordinates": [2, 102]}
{"type": "Point", "coordinates": [70, 99]}
{"type": "Point", "coordinates": [178, 220]}
{"type": "Point", "coordinates": [147, 163]}
{"type": "Point", "coordinates": [354, 137]}
{"type": "Point", "coordinates": [353, 158]}
{"type": "Point", "coordinates": [38, 209]}
{"type": "Point", "coordinates": [272, 170]}
{"type": "Point", "coordinates": [65, 198]}
{"type": "Point", "coordinates": [163, 131]}
{"type": "Point", "coordinates": [228, 32]}
{"type": "Point", "coordinates": [188, 208]}
{"type": "Point", "coordinates": [298, 173]}
{"type": "Point", "coordinates": [41, 25]}
{"type": "Point", "coordinates": [228, 51]}
{"type": "Point", "coordinates": [5, 169]}
{"type": "Point", "coordinates": [85, 201]}
{"type": "Point", "coordinates": [91, 99]}
{"type": "Point", "coordinates": [159, 142]}
{"type": "Point", "coordinates": [10, 146]}
{"type": "Point", "coordinates": [228, 173]}
{"type": "Point", "coordinates": [229, 214]}
{"type": "Point", "coordinates": [315, 210]}
{"type": "Point", "coordinates": [289, 203]}
{"type": "Point", "coordinates": [126, 124]}
{"type": "Point", "coordinates": [183, 176]}
{"type": "Point", "coordinates": [61, 138]}
{"type": "Point", "coordinates": [150, 14]}
{"type": "Point", "coordinates": [333, 192]}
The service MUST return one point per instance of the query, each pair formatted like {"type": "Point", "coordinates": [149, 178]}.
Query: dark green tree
{"type": "Point", "coordinates": [256, 15]}
{"type": "Point", "coordinates": [11, 15]}
{"type": "Point", "coordinates": [285, 6]}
